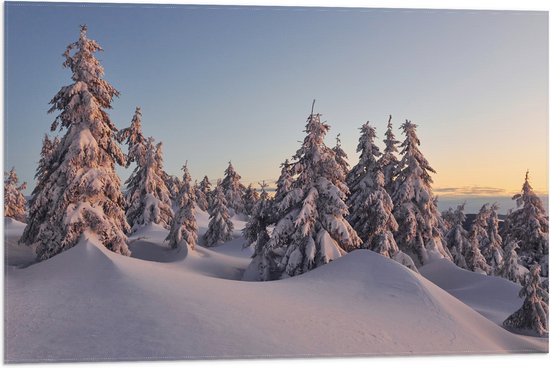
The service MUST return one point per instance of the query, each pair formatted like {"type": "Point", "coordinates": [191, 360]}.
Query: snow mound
{"type": "Point", "coordinates": [494, 297]}
{"type": "Point", "coordinates": [91, 304]}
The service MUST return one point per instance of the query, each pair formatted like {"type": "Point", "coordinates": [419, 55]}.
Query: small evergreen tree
{"type": "Point", "coordinates": [147, 197]}
{"type": "Point", "coordinates": [202, 201]}
{"type": "Point", "coordinates": [137, 143]}
{"type": "Point", "coordinates": [421, 229]}
{"type": "Point", "coordinates": [474, 257]}
{"type": "Point", "coordinates": [173, 183]}
{"type": "Point", "coordinates": [370, 206]}
{"type": "Point", "coordinates": [14, 200]}
{"type": "Point", "coordinates": [184, 229]}
{"type": "Point", "coordinates": [313, 230]}
{"type": "Point", "coordinates": [205, 188]}
{"type": "Point", "coordinates": [233, 189]}
{"type": "Point", "coordinates": [492, 246]}
{"type": "Point", "coordinates": [388, 161]}
{"type": "Point", "coordinates": [220, 227]}
{"type": "Point", "coordinates": [457, 237]}
{"type": "Point", "coordinates": [250, 198]}
{"type": "Point", "coordinates": [511, 268]}
{"type": "Point", "coordinates": [533, 314]}
{"type": "Point", "coordinates": [81, 191]}
{"type": "Point", "coordinates": [528, 226]}
{"type": "Point", "coordinates": [341, 157]}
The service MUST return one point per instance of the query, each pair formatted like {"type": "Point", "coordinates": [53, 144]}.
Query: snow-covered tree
{"type": "Point", "coordinates": [250, 197]}
{"type": "Point", "coordinates": [14, 200]}
{"type": "Point", "coordinates": [492, 246]}
{"type": "Point", "coordinates": [184, 229]}
{"type": "Point", "coordinates": [370, 206]}
{"type": "Point", "coordinates": [205, 188]}
{"type": "Point", "coordinates": [202, 200]}
{"type": "Point", "coordinates": [285, 182]}
{"type": "Point", "coordinates": [220, 227]}
{"type": "Point", "coordinates": [341, 157]}
{"type": "Point", "coordinates": [173, 183]}
{"type": "Point", "coordinates": [511, 269]}
{"type": "Point", "coordinates": [478, 234]}
{"type": "Point", "coordinates": [528, 226]}
{"type": "Point", "coordinates": [233, 190]}
{"type": "Point", "coordinates": [256, 235]}
{"type": "Point", "coordinates": [147, 197]}
{"type": "Point", "coordinates": [457, 237]}
{"type": "Point", "coordinates": [137, 143]}
{"type": "Point", "coordinates": [420, 233]}
{"type": "Point", "coordinates": [388, 161]}
{"type": "Point", "coordinates": [313, 229]}
{"type": "Point", "coordinates": [533, 314]}
{"type": "Point", "coordinates": [81, 192]}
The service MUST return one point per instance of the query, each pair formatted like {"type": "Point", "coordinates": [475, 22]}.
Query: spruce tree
{"type": "Point", "coordinates": [220, 227]}
{"type": "Point", "coordinates": [388, 161]}
{"type": "Point", "coordinates": [313, 230]}
{"type": "Point", "coordinates": [14, 201]}
{"type": "Point", "coordinates": [341, 157]}
{"type": "Point", "coordinates": [205, 188]}
{"type": "Point", "coordinates": [233, 190]}
{"type": "Point", "coordinates": [147, 196]}
{"type": "Point", "coordinates": [492, 246]}
{"type": "Point", "coordinates": [528, 226]}
{"type": "Point", "coordinates": [36, 210]}
{"type": "Point", "coordinates": [173, 183]}
{"type": "Point", "coordinates": [370, 206]}
{"type": "Point", "coordinates": [478, 234]}
{"type": "Point", "coordinates": [511, 267]}
{"type": "Point", "coordinates": [533, 314]}
{"type": "Point", "coordinates": [137, 143]}
{"type": "Point", "coordinates": [250, 197]}
{"type": "Point", "coordinates": [81, 192]}
{"type": "Point", "coordinates": [421, 229]}
{"type": "Point", "coordinates": [457, 237]}
{"type": "Point", "coordinates": [281, 200]}
{"type": "Point", "coordinates": [184, 229]}
{"type": "Point", "coordinates": [202, 201]}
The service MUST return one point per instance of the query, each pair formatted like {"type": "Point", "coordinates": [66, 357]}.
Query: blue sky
{"type": "Point", "coordinates": [236, 83]}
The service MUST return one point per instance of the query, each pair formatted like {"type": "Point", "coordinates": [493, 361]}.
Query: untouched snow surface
{"type": "Point", "coordinates": [91, 304]}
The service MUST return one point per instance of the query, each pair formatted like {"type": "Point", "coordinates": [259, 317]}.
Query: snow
{"type": "Point", "coordinates": [89, 303]}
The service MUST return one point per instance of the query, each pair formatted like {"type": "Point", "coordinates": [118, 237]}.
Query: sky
{"type": "Point", "coordinates": [220, 83]}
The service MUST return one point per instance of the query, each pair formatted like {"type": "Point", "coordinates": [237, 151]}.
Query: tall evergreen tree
{"type": "Point", "coordinates": [147, 196]}
{"type": "Point", "coordinates": [205, 188]}
{"type": "Point", "coordinates": [250, 197]}
{"type": "Point", "coordinates": [478, 235]}
{"type": "Point", "coordinates": [313, 230]}
{"type": "Point", "coordinates": [388, 161]}
{"type": "Point", "coordinates": [528, 226]}
{"type": "Point", "coordinates": [533, 314]}
{"type": "Point", "coordinates": [220, 227]}
{"type": "Point", "coordinates": [14, 201]}
{"type": "Point", "coordinates": [492, 247]}
{"type": "Point", "coordinates": [457, 237]}
{"type": "Point", "coordinates": [281, 200]}
{"type": "Point", "coordinates": [202, 201]}
{"type": "Point", "coordinates": [82, 191]}
{"type": "Point", "coordinates": [137, 143]}
{"type": "Point", "coordinates": [511, 267]}
{"type": "Point", "coordinates": [233, 190]}
{"type": "Point", "coordinates": [184, 229]}
{"type": "Point", "coordinates": [370, 206]}
{"type": "Point", "coordinates": [420, 233]}
{"type": "Point", "coordinates": [341, 157]}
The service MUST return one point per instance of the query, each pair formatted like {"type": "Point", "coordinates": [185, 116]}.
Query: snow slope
{"type": "Point", "coordinates": [91, 304]}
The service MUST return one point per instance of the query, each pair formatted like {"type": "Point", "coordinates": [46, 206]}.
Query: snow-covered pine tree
{"type": "Point", "coordinates": [202, 200]}
{"type": "Point", "coordinates": [256, 234]}
{"type": "Point", "coordinates": [388, 161]}
{"type": "Point", "coordinates": [285, 182]}
{"type": "Point", "coordinates": [341, 157]}
{"type": "Point", "coordinates": [528, 226]}
{"type": "Point", "coordinates": [457, 237]}
{"type": "Point", "coordinates": [205, 187]}
{"type": "Point", "coordinates": [511, 267]}
{"type": "Point", "coordinates": [137, 143]}
{"type": "Point", "coordinates": [14, 201]}
{"type": "Point", "coordinates": [82, 191]}
{"type": "Point", "coordinates": [220, 227]}
{"type": "Point", "coordinates": [533, 314]}
{"type": "Point", "coordinates": [147, 197]}
{"type": "Point", "coordinates": [313, 230]}
{"type": "Point", "coordinates": [250, 197]}
{"type": "Point", "coordinates": [492, 246]}
{"type": "Point", "coordinates": [420, 233]}
{"type": "Point", "coordinates": [370, 206]}
{"type": "Point", "coordinates": [173, 183]}
{"type": "Point", "coordinates": [184, 229]}
{"type": "Point", "coordinates": [478, 234]}
{"type": "Point", "coordinates": [233, 190]}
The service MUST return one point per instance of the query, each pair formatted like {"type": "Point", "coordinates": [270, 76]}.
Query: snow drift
{"type": "Point", "coordinates": [89, 303]}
